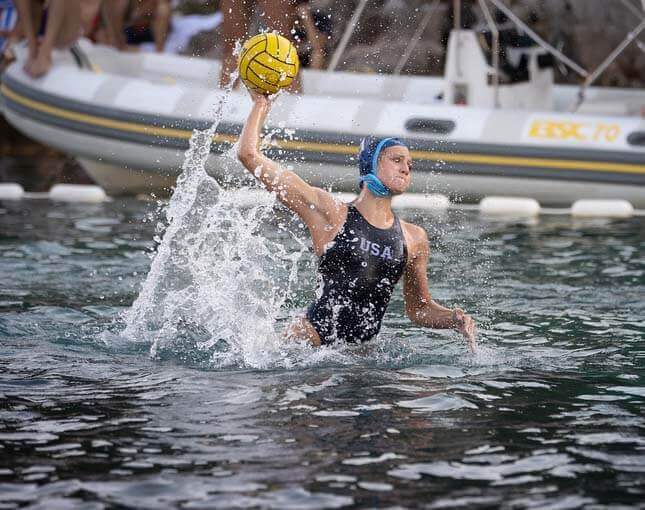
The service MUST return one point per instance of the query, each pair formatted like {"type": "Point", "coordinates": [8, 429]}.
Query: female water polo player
{"type": "Point", "coordinates": [364, 248]}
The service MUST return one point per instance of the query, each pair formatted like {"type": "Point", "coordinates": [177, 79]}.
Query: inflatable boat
{"type": "Point", "coordinates": [127, 118]}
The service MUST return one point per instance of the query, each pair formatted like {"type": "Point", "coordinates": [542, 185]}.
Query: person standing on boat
{"type": "Point", "coordinates": [8, 32]}
{"type": "Point", "coordinates": [363, 247]}
{"type": "Point", "coordinates": [61, 20]}
{"type": "Point", "coordinates": [276, 15]}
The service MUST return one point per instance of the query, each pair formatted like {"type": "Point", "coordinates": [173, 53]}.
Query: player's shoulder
{"type": "Point", "coordinates": [327, 207]}
{"type": "Point", "coordinates": [416, 240]}
{"type": "Point", "coordinates": [414, 233]}
{"type": "Point", "coordinates": [328, 200]}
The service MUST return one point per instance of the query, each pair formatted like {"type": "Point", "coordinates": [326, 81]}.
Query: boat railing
{"type": "Point", "coordinates": [349, 30]}
{"type": "Point", "coordinates": [538, 40]}
{"type": "Point", "coordinates": [416, 37]}
{"type": "Point", "coordinates": [589, 77]}
{"type": "Point", "coordinates": [592, 77]}
{"type": "Point", "coordinates": [495, 49]}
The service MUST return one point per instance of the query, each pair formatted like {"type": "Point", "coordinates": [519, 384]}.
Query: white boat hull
{"type": "Point", "coordinates": [129, 127]}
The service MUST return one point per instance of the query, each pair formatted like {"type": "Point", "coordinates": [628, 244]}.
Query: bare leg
{"type": "Point", "coordinates": [89, 11]}
{"type": "Point", "coordinates": [301, 330]}
{"type": "Point", "coordinates": [61, 31]}
{"type": "Point", "coordinates": [279, 15]}
{"type": "Point", "coordinates": [13, 37]}
{"type": "Point", "coordinates": [235, 27]}
{"type": "Point", "coordinates": [161, 24]}
{"type": "Point", "coordinates": [113, 12]}
{"type": "Point", "coordinates": [28, 24]}
{"type": "Point", "coordinates": [314, 37]}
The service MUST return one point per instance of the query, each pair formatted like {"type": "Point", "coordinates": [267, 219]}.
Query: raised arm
{"type": "Point", "coordinates": [419, 305]}
{"type": "Point", "coordinates": [318, 209]}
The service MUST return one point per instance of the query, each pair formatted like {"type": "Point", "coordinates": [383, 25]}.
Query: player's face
{"type": "Point", "coordinates": [395, 169]}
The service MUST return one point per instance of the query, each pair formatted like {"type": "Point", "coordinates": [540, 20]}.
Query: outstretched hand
{"type": "Point", "coordinates": [261, 99]}
{"type": "Point", "coordinates": [465, 324]}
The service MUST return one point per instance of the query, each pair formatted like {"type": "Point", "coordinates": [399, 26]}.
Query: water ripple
{"type": "Point", "coordinates": [547, 414]}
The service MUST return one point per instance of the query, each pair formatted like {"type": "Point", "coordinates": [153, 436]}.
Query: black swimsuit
{"type": "Point", "coordinates": [357, 275]}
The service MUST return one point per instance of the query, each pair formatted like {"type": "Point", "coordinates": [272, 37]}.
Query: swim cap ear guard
{"type": "Point", "coordinates": [370, 151]}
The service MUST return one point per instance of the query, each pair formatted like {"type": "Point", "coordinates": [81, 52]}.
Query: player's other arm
{"type": "Point", "coordinates": [419, 305]}
{"type": "Point", "coordinates": [305, 200]}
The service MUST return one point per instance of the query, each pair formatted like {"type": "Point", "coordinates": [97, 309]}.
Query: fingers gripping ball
{"type": "Point", "coordinates": [268, 62]}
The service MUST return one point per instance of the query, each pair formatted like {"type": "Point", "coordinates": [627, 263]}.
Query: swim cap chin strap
{"type": "Point", "coordinates": [370, 179]}
{"type": "Point", "coordinates": [375, 185]}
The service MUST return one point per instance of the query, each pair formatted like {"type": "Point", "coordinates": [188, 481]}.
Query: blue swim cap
{"type": "Point", "coordinates": [371, 148]}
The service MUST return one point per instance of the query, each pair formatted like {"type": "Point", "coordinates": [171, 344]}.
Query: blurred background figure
{"type": "Point", "coordinates": [311, 32]}
{"type": "Point", "coordinates": [90, 16]}
{"type": "Point", "coordinates": [291, 18]}
{"type": "Point", "coordinates": [131, 23]}
{"type": "Point", "coordinates": [8, 19]}
{"type": "Point", "coordinates": [148, 22]}
{"type": "Point", "coordinates": [185, 27]}
{"type": "Point", "coordinates": [59, 24]}
{"type": "Point", "coordinates": [276, 15]}
{"type": "Point", "coordinates": [99, 16]}
{"type": "Point", "coordinates": [151, 25]}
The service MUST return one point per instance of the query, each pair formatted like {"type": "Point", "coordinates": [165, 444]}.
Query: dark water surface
{"type": "Point", "coordinates": [549, 413]}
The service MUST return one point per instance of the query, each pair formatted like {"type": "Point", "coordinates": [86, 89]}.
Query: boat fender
{"type": "Point", "coordinates": [509, 206]}
{"type": "Point", "coordinates": [77, 193]}
{"type": "Point", "coordinates": [11, 191]}
{"type": "Point", "coordinates": [596, 208]}
{"type": "Point", "coordinates": [434, 202]}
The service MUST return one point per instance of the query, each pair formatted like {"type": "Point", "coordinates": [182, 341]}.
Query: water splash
{"type": "Point", "coordinates": [216, 285]}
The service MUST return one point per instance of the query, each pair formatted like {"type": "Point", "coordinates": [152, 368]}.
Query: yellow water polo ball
{"type": "Point", "coordinates": [268, 62]}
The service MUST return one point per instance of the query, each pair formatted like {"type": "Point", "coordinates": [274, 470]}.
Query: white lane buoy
{"type": "Point", "coordinates": [509, 206]}
{"type": "Point", "coordinates": [11, 191]}
{"type": "Point", "coordinates": [435, 202]}
{"type": "Point", "coordinates": [85, 193]}
{"type": "Point", "coordinates": [597, 208]}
